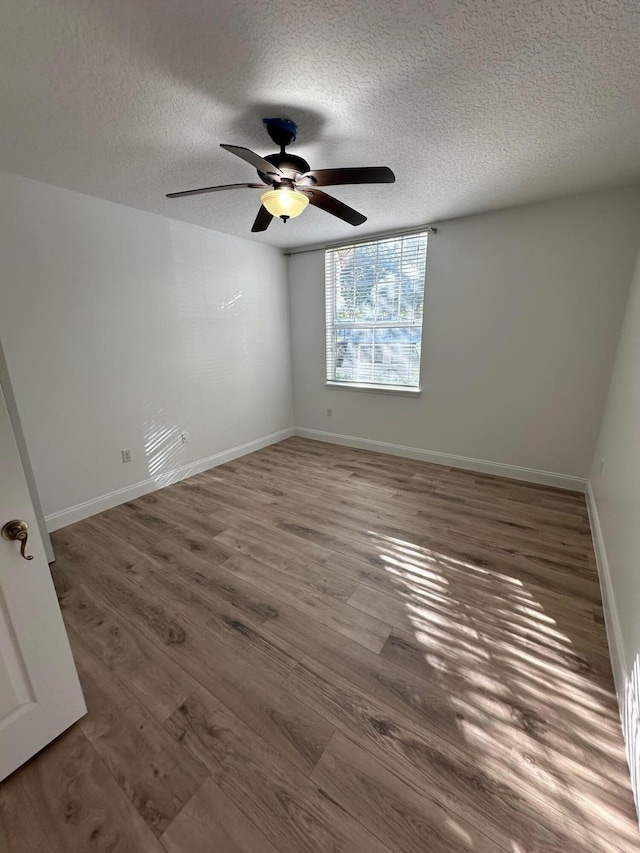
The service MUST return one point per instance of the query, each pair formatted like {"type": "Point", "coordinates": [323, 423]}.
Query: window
{"type": "Point", "coordinates": [375, 296]}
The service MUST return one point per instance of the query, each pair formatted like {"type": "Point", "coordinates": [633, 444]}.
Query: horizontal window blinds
{"type": "Point", "coordinates": [374, 303]}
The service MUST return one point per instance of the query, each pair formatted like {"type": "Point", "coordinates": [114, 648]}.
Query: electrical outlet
{"type": "Point", "coordinates": [329, 413]}
{"type": "Point", "coordinates": [184, 437]}
{"type": "Point", "coordinates": [127, 456]}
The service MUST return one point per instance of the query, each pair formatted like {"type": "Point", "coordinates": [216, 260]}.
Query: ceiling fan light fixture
{"type": "Point", "coordinates": [284, 202]}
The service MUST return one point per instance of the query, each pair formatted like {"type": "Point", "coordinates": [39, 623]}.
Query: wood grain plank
{"type": "Point", "coordinates": [474, 784]}
{"type": "Point", "coordinates": [317, 576]}
{"type": "Point", "coordinates": [313, 576]}
{"type": "Point", "coordinates": [397, 813]}
{"type": "Point", "coordinates": [364, 572]}
{"type": "Point", "coordinates": [211, 821]}
{"type": "Point", "coordinates": [546, 683]}
{"type": "Point", "coordinates": [237, 542]}
{"type": "Point", "coordinates": [345, 510]}
{"type": "Point", "coordinates": [349, 621]}
{"type": "Point", "coordinates": [45, 847]}
{"type": "Point", "coordinates": [432, 702]}
{"type": "Point", "coordinates": [296, 730]}
{"type": "Point", "coordinates": [153, 771]}
{"type": "Point", "coordinates": [80, 804]}
{"type": "Point", "coordinates": [20, 827]}
{"type": "Point", "coordinates": [177, 510]}
{"type": "Point", "coordinates": [288, 809]}
{"type": "Point", "coordinates": [501, 615]}
{"type": "Point", "coordinates": [207, 595]}
{"type": "Point", "coordinates": [141, 665]}
{"type": "Point", "coordinates": [144, 521]}
{"type": "Point", "coordinates": [268, 535]}
{"type": "Point", "coordinates": [211, 489]}
{"type": "Point", "coordinates": [454, 556]}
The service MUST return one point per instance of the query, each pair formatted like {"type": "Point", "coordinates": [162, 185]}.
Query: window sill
{"type": "Point", "coordinates": [376, 389]}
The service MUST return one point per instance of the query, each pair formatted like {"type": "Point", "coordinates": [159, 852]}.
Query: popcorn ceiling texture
{"type": "Point", "coordinates": [475, 104]}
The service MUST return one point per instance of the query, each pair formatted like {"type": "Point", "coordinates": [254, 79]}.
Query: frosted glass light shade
{"type": "Point", "coordinates": [284, 202]}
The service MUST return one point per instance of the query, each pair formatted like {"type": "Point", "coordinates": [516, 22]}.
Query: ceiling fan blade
{"type": "Point", "coordinates": [263, 219]}
{"type": "Point", "coordinates": [255, 160]}
{"type": "Point", "coordinates": [335, 177]}
{"type": "Point", "coordinates": [333, 206]}
{"type": "Point", "coordinates": [214, 189]}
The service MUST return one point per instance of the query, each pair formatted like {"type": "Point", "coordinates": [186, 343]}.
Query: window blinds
{"type": "Point", "coordinates": [374, 302]}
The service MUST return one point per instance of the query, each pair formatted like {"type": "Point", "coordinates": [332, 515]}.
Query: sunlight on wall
{"type": "Point", "coordinates": [162, 445]}
{"type": "Point", "coordinates": [630, 715]}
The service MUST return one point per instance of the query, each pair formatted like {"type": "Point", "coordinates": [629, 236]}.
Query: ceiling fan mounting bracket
{"type": "Point", "coordinates": [281, 130]}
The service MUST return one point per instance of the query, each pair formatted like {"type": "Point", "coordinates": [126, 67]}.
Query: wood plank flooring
{"type": "Point", "coordinates": [315, 648]}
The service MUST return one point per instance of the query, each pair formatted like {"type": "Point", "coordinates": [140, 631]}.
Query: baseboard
{"type": "Point", "coordinates": [611, 619]}
{"type": "Point", "coordinates": [76, 513]}
{"type": "Point", "coordinates": [626, 677]}
{"type": "Point", "coordinates": [499, 469]}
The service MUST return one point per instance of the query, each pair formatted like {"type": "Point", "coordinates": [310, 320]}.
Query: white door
{"type": "Point", "coordinates": [40, 693]}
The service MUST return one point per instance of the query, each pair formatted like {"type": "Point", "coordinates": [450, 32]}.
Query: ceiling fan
{"type": "Point", "coordinates": [292, 182]}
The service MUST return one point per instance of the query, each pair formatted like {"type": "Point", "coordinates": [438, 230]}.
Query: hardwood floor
{"type": "Point", "coordinates": [315, 648]}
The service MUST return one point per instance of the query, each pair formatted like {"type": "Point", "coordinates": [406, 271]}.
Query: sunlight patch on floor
{"type": "Point", "coordinates": [532, 708]}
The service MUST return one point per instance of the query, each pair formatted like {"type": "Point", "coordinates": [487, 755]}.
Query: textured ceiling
{"type": "Point", "coordinates": [475, 104]}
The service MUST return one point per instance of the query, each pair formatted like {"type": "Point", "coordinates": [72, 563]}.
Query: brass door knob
{"type": "Point", "coordinates": [17, 531]}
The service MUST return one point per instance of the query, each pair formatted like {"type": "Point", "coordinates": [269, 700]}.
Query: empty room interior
{"type": "Point", "coordinates": [320, 426]}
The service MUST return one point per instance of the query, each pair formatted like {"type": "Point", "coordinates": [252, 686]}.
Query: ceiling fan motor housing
{"type": "Point", "coordinates": [290, 164]}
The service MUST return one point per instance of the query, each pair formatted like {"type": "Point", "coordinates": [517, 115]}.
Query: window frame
{"type": "Point", "coordinates": [331, 324]}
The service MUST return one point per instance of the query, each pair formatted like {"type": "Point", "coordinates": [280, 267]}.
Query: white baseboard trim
{"type": "Point", "coordinates": [626, 676]}
{"type": "Point", "coordinates": [499, 469]}
{"type": "Point", "coordinates": [76, 513]}
{"type": "Point", "coordinates": [611, 619]}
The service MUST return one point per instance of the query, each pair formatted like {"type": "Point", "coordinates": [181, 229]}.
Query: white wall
{"type": "Point", "coordinates": [522, 314]}
{"type": "Point", "coordinates": [121, 329]}
{"type": "Point", "coordinates": [615, 512]}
